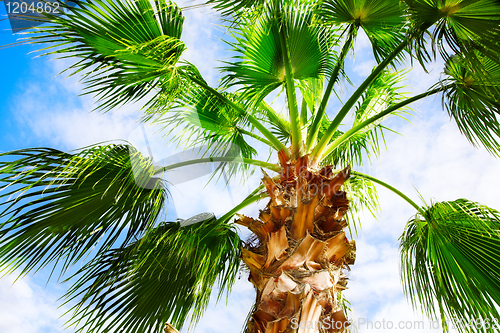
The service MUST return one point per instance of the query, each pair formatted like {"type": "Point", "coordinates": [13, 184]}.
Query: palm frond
{"type": "Point", "coordinates": [462, 26]}
{"type": "Point", "coordinates": [198, 118]}
{"type": "Point", "coordinates": [234, 7]}
{"type": "Point", "coordinates": [277, 123]}
{"type": "Point", "coordinates": [232, 10]}
{"type": "Point", "coordinates": [450, 257]}
{"type": "Point", "coordinates": [356, 149]}
{"type": "Point", "coordinates": [258, 65]}
{"type": "Point", "coordinates": [204, 118]}
{"type": "Point", "coordinates": [60, 206]}
{"type": "Point", "coordinates": [382, 93]}
{"type": "Point", "coordinates": [126, 49]}
{"type": "Point", "coordinates": [162, 277]}
{"type": "Point", "coordinates": [312, 90]}
{"type": "Point", "coordinates": [362, 194]}
{"type": "Point", "coordinates": [473, 101]}
{"type": "Point", "coordinates": [382, 21]}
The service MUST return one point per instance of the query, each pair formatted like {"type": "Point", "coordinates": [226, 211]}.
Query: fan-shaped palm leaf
{"type": "Point", "coordinates": [236, 9]}
{"type": "Point", "coordinates": [205, 119]}
{"type": "Point", "coordinates": [61, 206]}
{"type": "Point", "coordinates": [382, 93]}
{"type": "Point", "coordinates": [473, 101]}
{"type": "Point", "coordinates": [127, 49]}
{"type": "Point", "coordinates": [278, 123]}
{"type": "Point", "coordinates": [451, 257]}
{"type": "Point", "coordinates": [362, 194]}
{"type": "Point", "coordinates": [162, 277]}
{"type": "Point", "coordinates": [381, 20]}
{"type": "Point", "coordinates": [459, 26]}
{"type": "Point", "coordinates": [198, 118]}
{"type": "Point", "coordinates": [233, 7]}
{"type": "Point", "coordinates": [260, 65]}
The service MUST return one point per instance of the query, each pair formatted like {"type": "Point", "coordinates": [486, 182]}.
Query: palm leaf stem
{"type": "Point", "coordinates": [262, 164]}
{"type": "Point", "coordinates": [314, 130]}
{"type": "Point", "coordinates": [319, 149]}
{"type": "Point", "coordinates": [255, 136]}
{"type": "Point", "coordinates": [251, 198]}
{"type": "Point", "coordinates": [276, 144]}
{"type": "Point", "coordinates": [293, 109]}
{"type": "Point", "coordinates": [276, 118]}
{"type": "Point", "coordinates": [384, 184]}
{"type": "Point", "coordinates": [344, 137]}
{"type": "Point", "coordinates": [303, 113]}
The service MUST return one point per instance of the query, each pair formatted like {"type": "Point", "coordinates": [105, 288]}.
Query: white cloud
{"type": "Point", "coordinates": [364, 68]}
{"type": "Point", "coordinates": [362, 43]}
{"type": "Point", "coordinates": [201, 37]}
{"type": "Point", "coordinates": [418, 80]}
{"type": "Point", "coordinates": [230, 316]}
{"type": "Point", "coordinates": [25, 307]}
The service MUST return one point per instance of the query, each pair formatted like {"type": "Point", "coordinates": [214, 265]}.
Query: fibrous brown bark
{"type": "Point", "coordinates": [300, 251]}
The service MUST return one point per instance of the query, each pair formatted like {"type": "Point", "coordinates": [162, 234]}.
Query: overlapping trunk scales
{"type": "Point", "coordinates": [300, 251]}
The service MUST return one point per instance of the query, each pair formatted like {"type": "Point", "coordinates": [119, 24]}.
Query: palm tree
{"type": "Point", "coordinates": [103, 205]}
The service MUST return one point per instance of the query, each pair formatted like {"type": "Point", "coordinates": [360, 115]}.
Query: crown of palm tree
{"type": "Point", "coordinates": [104, 202]}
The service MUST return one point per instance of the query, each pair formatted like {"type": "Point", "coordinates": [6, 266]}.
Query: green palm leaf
{"type": "Point", "coordinates": [209, 121]}
{"type": "Point", "coordinates": [312, 90]}
{"type": "Point", "coordinates": [451, 258]}
{"type": "Point", "coordinates": [126, 49]}
{"type": "Point", "coordinates": [278, 124]}
{"type": "Point", "coordinates": [162, 277]}
{"type": "Point", "coordinates": [381, 20]}
{"type": "Point", "coordinates": [232, 7]}
{"type": "Point", "coordinates": [473, 101]}
{"type": "Point", "coordinates": [205, 119]}
{"type": "Point", "coordinates": [235, 9]}
{"type": "Point", "coordinates": [359, 147]}
{"type": "Point", "coordinates": [362, 194]}
{"type": "Point", "coordinates": [259, 63]}
{"type": "Point", "coordinates": [458, 26]}
{"type": "Point", "coordinates": [382, 93]}
{"type": "Point", "coordinates": [60, 206]}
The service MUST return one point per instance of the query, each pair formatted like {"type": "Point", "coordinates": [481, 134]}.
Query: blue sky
{"type": "Point", "coordinates": [41, 109]}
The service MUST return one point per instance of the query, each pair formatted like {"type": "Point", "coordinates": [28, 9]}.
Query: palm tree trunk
{"type": "Point", "coordinates": [299, 251]}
